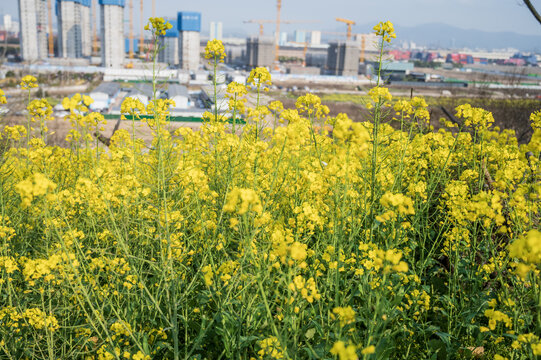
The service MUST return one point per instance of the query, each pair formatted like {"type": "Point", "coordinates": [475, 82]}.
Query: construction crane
{"type": "Point", "coordinates": [363, 47]}
{"type": "Point", "coordinates": [262, 22]}
{"type": "Point", "coordinates": [94, 28]}
{"type": "Point", "coordinates": [277, 40]}
{"type": "Point", "coordinates": [51, 38]}
{"type": "Point", "coordinates": [348, 23]}
{"type": "Point", "coordinates": [131, 29]}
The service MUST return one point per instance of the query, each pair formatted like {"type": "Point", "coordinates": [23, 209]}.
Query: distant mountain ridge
{"type": "Point", "coordinates": [437, 35]}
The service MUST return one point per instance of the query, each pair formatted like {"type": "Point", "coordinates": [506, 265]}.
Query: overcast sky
{"type": "Point", "coordinates": [489, 15]}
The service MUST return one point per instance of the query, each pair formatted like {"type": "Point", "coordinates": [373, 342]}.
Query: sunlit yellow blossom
{"type": "Point", "coordinates": [28, 82]}
{"type": "Point", "coordinates": [259, 77]}
{"type": "Point", "coordinates": [368, 350]}
{"type": "Point", "coordinates": [34, 186]}
{"type": "Point", "coordinates": [157, 26]}
{"type": "Point", "coordinates": [215, 50]}
{"type": "Point", "coordinates": [344, 352]}
{"type": "Point", "coordinates": [2, 97]}
{"type": "Point", "coordinates": [385, 30]}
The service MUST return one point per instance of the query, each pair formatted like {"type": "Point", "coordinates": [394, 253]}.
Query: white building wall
{"type": "Point", "coordinates": [188, 47]}
{"type": "Point", "coordinates": [86, 31]}
{"type": "Point", "coordinates": [8, 23]}
{"type": "Point", "coordinates": [112, 36]}
{"type": "Point", "coordinates": [70, 43]}
{"type": "Point", "coordinates": [169, 53]}
{"type": "Point", "coordinates": [216, 30]}
{"type": "Point", "coordinates": [315, 38]}
{"type": "Point", "coordinates": [41, 25]}
{"type": "Point", "coordinates": [28, 24]}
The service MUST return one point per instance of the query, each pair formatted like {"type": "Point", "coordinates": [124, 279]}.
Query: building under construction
{"type": "Point", "coordinates": [343, 58]}
{"type": "Point", "coordinates": [112, 33]}
{"type": "Point", "coordinates": [33, 23]}
{"type": "Point", "coordinates": [74, 28]}
{"type": "Point", "coordinates": [260, 51]}
{"type": "Point", "coordinates": [188, 26]}
{"type": "Point", "coordinates": [169, 48]}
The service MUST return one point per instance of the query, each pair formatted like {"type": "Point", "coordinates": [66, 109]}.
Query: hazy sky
{"type": "Point", "coordinates": [490, 15]}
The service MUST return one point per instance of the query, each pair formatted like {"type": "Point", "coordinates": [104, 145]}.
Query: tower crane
{"type": "Point", "coordinates": [348, 23]}
{"type": "Point", "coordinates": [262, 22]}
{"type": "Point", "coordinates": [277, 39]}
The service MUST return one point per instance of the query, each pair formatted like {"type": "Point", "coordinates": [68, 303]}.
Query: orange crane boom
{"type": "Point", "coordinates": [262, 22]}
{"type": "Point", "coordinates": [277, 35]}
{"type": "Point", "coordinates": [348, 23]}
{"type": "Point", "coordinates": [51, 38]}
{"type": "Point", "coordinates": [363, 47]}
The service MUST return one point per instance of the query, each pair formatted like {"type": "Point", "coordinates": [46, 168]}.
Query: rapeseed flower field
{"type": "Point", "coordinates": [313, 237]}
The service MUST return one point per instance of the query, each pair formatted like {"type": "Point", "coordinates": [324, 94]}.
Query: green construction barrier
{"type": "Point", "coordinates": [190, 119]}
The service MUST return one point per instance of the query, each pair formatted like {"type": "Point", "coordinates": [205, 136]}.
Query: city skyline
{"type": "Point", "coordinates": [482, 15]}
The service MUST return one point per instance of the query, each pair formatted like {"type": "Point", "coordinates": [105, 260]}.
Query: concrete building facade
{"type": "Point", "coordinates": [86, 28]}
{"type": "Point", "coordinates": [189, 27]}
{"type": "Point", "coordinates": [112, 33]}
{"type": "Point", "coordinates": [33, 28]}
{"type": "Point", "coordinates": [343, 58]}
{"type": "Point", "coordinates": [216, 30]}
{"type": "Point", "coordinates": [169, 45]}
{"type": "Point", "coordinates": [260, 51]}
{"type": "Point", "coordinates": [74, 28]}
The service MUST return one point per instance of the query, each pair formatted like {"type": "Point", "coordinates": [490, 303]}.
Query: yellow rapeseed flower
{"type": "Point", "coordinates": [385, 30]}
{"type": "Point", "coordinates": [157, 26]}
{"type": "Point", "coordinates": [28, 82]}
{"type": "Point", "coordinates": [215, 50]}
{"type": "Point", "coordinates": [2, 97]}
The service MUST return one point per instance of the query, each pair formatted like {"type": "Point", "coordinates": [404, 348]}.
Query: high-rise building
{"type": "Point", "coordinates": [86, 27]}
{"type": "Point", "coordinates": [8, 22]}
{"type": "Point", "coordinates": [343, 58]}
{"type": "Point", "coordinates": [300, 36]}
{"type": "Point", "coordinates": [112, 33]}
{"type": "Point", "coordinates": [216, 30]}
{"type": "Point", "coordinates": [74, 28]}
{"type": "Point", "coordinates": [283, 38]}
{"type": "Point", "coordinates": [315, 37]}
{"type": "Point", "coordinates": [169, 48]}
{"type": "Point", "coordinates": [260, 51]}
{"type": "Point", "coordinates": [33, 25]}
{"type": "Point", "coordinates": [189, 26]}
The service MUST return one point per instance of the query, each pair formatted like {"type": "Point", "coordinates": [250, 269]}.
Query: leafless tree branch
{"type": "Point", "coordinates": [533, 10]}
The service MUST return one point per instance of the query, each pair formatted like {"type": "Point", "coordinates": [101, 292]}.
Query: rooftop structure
{"type": "Point", "coordinates": [343, 58]}
{"type": "Point", "coordinates": [103, 95]}
{"type": "Point", "coordinates": [179, 94]}
{"type": "Point", "coordinates": [169, 49]}
{"type": "Point", "coordinates": [189, 26]}
{"type": "Point", "coordinates": [33, 25]}
{"type": "Point", "coordinates": [112, 33]}
{"type": "Point", "coordinates": [260, 51]}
